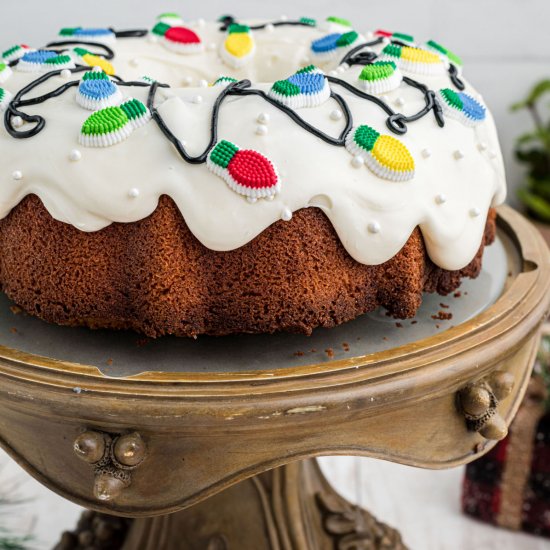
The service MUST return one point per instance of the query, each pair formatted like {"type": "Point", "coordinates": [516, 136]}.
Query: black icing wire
{"type": "Point", "coordinates": [396, 122]}
{"type": "Point", "coordinates": [353, 57]}
{"type": "Point", "coordinates": [455, 79]}
{"type": "Point", "coordinates": [130, 33]}
{"type": "Point", "coordinates": [243, 88]}
{"type": "Point", "coordinates": [108, 52]}
{"type": "Point", "coordinates": [229, 20]}
{"type": "Point", "coordinates": [39, 121]}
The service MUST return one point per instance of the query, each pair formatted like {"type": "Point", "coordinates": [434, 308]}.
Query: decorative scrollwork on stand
{"type": "Point", "coordinates": [113, 457]}
{"type": "Point", "coordinates": [353, 528]}
{"type": "Point", "coordinates": [479, 401]}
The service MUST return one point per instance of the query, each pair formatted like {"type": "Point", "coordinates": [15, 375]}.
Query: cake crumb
{"type": "Point", "coordinates": [399, 325]}
{"type": "Point", "coordinates": [16, 310]}
{"type": "Point", "coordinates": [444, 306]}
{"type": "Point", "coordinates": [436, 326]}
{"type": "Point", "coordinates": [13, 330]}
{"type": "Point", "coordinates": [414, 322]}
{"type": "Point", "coordinates": [465, 293]}
{"type": "Point", "coordinates": [457, 294]}
{"type": "Point", "coordinates": [385, 338]}
{"type": "Point", "coordinates": [345, 346]}
{"type": "Point", "coordinates": [330, 353]}
{"type": "Point", "coordinates": [298, 354]}
{"type": "Point", "coordinates": [313, 350]}
{"type": "Point", "coordinates": [140, 342]}
{"type": "Point", "coordinates": [442, 316]}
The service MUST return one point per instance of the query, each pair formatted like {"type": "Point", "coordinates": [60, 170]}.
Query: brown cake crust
{"type": "Point", "coordinates": [155, 277]}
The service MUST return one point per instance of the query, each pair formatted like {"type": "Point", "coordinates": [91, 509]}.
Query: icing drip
{"type": "Point", "coordinates": [308, 151]}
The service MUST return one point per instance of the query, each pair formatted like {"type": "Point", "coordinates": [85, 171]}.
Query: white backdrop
{"type": "Point", "coordinates": [504, 43]}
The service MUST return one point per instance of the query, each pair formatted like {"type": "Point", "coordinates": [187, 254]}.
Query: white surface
{"type": "Point", "coordinates": [503, 42]}
{"type": "Point", "coordinates": [423, 504]}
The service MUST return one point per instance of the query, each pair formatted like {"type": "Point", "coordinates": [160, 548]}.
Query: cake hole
{"type": "Point", "coordinates": [321, 201]}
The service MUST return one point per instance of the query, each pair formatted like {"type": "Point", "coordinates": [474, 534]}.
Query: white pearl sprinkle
{"type": "Point", "coordinates": [286, 214]}
{"type": "Point", "coordinates": [152, 38]}
{"type": "Point", "coordinates": [492, 155]}
{"type": "Point", "coordinates": [342, 68]}
{"type": "Point", "coordinates": [284, 17]}
{"type": "Point", "coordinates": [261, 130]}
{"type": "Point", "coordinates": [305, 60]}
{"type": "Point", "coordinates": [201, 22]}
{"type": "Point", "coordinates": [336, 114]}
{"type": "Point", "coordinates": [251, 200]}
{"type": "Point", "coordinates": [373, 227]}
{"type": "Point", "coordinates": [17, 122]}
{"type": "Point", "coordinates": [203, 83]}
{"type": "Point", "coordinates": [441, 198]}
{"type": "Point", "coordinates": [369, 35]}
{"type": "Point", "coordinates": [197, 99]}
{"type": "Point", "coordinates": [75, 155]}
{"type": "Point", "coordinates": [475, 212]}
{"type": "Point", "coordinates": [212, 46]}
{"type": "Point", "coordinates": [17, 175]}
{"type": "Point", "coordinates": [400, 102]}
{"type": "Point", "coordinates": [263, 118]}
{"type": "Point", "coordinates": [134, 62]}
{"type": "Point", "coordinates": [458, 154]}
{"type": "Point", "coordinates": [65, 74]}
{"type": "Point", "coordinates": [133, 193]}
{"type": "Point", "coordinates": [482, 146]}
{"type": "Point", "coordinates": [333, 73]}
{"type": "Point", "coordinates": [357, 161]}
{"type": "Point", "coordinates": [188, 80]}
{"type": "Point", "coordinates": [270, 27]}
{"type": "Point", "coordinates": [427, 153]}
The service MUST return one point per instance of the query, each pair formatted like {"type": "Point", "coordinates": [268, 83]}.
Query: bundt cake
{"type": "Point", "coordinates": [217, 178]}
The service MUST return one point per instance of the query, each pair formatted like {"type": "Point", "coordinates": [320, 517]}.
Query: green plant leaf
{"type": "Point", "coordinates": [536, 205]}
{"type": "Point", "coordinates": [536, 93]}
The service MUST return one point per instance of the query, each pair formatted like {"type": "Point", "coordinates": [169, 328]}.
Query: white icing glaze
{"type": "Point", "coordinates": [372, 216]}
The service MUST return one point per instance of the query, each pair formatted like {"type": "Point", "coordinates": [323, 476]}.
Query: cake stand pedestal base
{"type": "Point", "coordinates": [289, 508]}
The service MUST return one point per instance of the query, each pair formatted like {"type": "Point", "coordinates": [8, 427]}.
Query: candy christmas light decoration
{"type": "Point", "coordinates": [336, 24]}
{"type": "Point", "coordinates": [414, 60]}
{"type": "Point", "coordinates": [44, 61]}
{"type": "Point", "coordinates": [113, 125]}
{"type": "Point", "coordinates": [170, 18]}
{"type": "Point", "coordinates": [92, 60]}
{"type": "Point", "coordinates": [307, 87]}
{"type": "Point", "coordinates": [5, 98]}
{"type": "Point", "coordinates": [246, 172]}
{"type": "Point", "coordinates": [80, 34]}
{"type": "Point", "coordinates": [5, 72]}
{"type": "Point", "coordinates": [384, 155]}
{"type": "Point", "coordinates": [97, 91]}
{"type": "Point", "coordinates": [396, 36]}
{"type": "Point", "coordinates": [443, 52]}
{"type": "Point", "coordinates": [14, 53]}
{"type": "Point", "coordinates": [224, 81]}
{"type": "Point", "coordinates": [334, 45]}
{"type": "Point", "coordinates": [380, 77]}
{"type": "Point", "coordinates": [239, 46]}
{"type": "Point", "coordinates": [182, 40]}
{"type": "Point", "coordinates": [462, 107]}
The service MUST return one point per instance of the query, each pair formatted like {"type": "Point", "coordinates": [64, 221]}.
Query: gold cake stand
{"type": "Point", "coordinates": [210, 444]}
